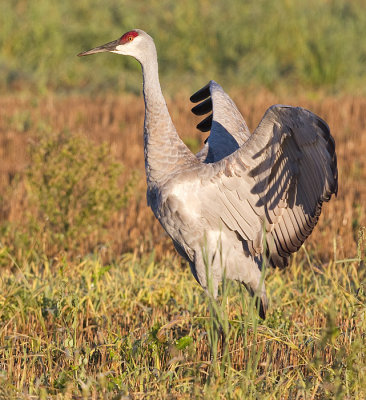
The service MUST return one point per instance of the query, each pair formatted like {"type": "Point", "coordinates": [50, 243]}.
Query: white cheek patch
{"type": "Point", "coordinates": [119, 48]}
{"type": "Point", "coordinates": [126, 48]}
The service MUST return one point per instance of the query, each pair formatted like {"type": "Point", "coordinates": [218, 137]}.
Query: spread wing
{"type": "Point", "coordinates": [279, 178]}
{"type": "Point", "coordinates": [227, 126]}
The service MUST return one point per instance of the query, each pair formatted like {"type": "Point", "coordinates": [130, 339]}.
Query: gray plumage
{"type": "Point", "coordinates": [242, 192]}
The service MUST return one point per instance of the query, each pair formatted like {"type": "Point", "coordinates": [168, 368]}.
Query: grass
{"type": "Point", "coordinates": [124, 318]}
{"type": "Point", "coordinates": [140, 329]}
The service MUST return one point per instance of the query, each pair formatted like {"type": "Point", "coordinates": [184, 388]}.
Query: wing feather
{"type": "Point", "coordinates": [279, 177]}
{"type": "Point", "coordinates": [227, 127]}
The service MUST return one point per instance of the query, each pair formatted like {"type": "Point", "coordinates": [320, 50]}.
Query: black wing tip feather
{"type": "Point", "coordinates": [204, 96]}
{"type": "Point", "coordinates": [201, 94]}
{"type": "Point", "coordinates": [203, 108]}
{"type": "Point", "coordinates": [205, 125]}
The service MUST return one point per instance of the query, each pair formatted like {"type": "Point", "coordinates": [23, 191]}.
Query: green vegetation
{"type": "Point", "coordinates": [139, 329]}
{"type": "Point", "coordinates": [72, 191]}
{"type": "Point", "coordinates": [74, 185]}
{"type": "Point", "coordinates": [284, 43]}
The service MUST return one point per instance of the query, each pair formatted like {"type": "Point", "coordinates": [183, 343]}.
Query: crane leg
{"type": "Point", "coordinates": [223, 341]}
{"type": "Point", "coordinates": [261, 299]}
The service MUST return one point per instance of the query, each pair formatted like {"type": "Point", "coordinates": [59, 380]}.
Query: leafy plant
{"type": "Point", "coordinates": [73, 186]}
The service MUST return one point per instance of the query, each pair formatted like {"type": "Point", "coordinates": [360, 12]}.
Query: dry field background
{"type": "Point", "coordinates": [118, 121]}
{"type": "Point", "coordinates": [132, 323]}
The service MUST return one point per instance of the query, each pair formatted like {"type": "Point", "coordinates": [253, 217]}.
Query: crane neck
{"type": "Point", "coordinates": [153, 95]}
{"type": "Point", "coordinates": [165, 153]}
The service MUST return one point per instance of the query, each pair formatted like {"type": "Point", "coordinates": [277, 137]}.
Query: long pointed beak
{"type": "Point", "coordinates": [100, 49]}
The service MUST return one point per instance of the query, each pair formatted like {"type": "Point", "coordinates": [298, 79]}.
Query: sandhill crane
{"type": "Point", "coordinates": [242, 193]}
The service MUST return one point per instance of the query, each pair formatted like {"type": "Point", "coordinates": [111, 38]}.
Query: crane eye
{"type": "Point", "coordinates": [128, 37]}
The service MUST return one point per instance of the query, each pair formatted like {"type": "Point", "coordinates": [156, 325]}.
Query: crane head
{"type": "Point", "coordinates": [130, 44]}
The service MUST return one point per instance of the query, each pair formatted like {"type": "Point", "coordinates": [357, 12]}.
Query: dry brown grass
{"type": "Point", "coordinates": [118, 120]}
{"type": "Point", "coordinates": [84, 329]}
